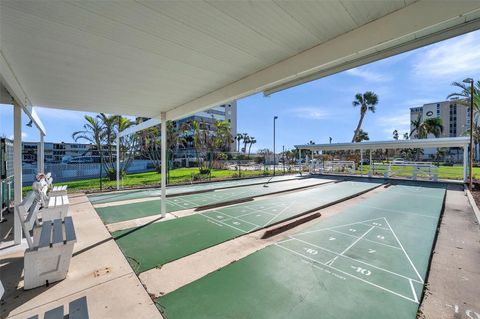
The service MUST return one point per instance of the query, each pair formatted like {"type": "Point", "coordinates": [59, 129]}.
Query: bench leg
{"type": "Point", "coordinates": [49, 264]}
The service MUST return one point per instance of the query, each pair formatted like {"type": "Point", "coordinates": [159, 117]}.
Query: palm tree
{"type": "Point", "coordinates": [395, 135]}
{"type": "Point", "coordinates": [464, 94]}
{"type": "Point", "coordinates": [238, 138]}
{"type": "Point", "coordinates": [362, 136]}
{"type": "Point", "coordinates": [252, 141]}
{"type": "Point", "coordinates": [432, 126]}
{"type": "Point", "coordinates": [246, 140]}
{"type": "Point", "coordinates": [416, 124]}
{"type": "Point", "coordinates": [92, 131]}
{"type": "Point", "coordinates": [367, 101]}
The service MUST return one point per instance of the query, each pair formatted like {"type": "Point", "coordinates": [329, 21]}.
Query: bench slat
{"type": "Point", "coordinates": [28, 200]}
{"type": "Point", "coordinates": [65, 200]}
{"type": "Point", "coordinates": [57, 237]}
{"type": "Point", "coordinates": [31, 218]}
{"type": "Point", "coordinates": [51, 202]}
{"type": "Point", "coordinates": [69, 230]}
{"type": "Point", "coordinates": [45, 235]}
{"type": "Point", "coordinates": [78, 309]}
{"type": "Point", "coordinates": [56, 313]}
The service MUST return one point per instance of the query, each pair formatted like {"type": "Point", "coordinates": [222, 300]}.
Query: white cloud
{"type": "Point", "coordinates": [311, 113]}
{"type": "Point", "coordinates": [368, 75]}
{"type": "Point", "coordinates": [398, 121]}
{"type": "Point", "coordinates": [450, 58]}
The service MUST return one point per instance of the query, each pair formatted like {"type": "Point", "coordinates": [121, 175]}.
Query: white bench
{"type": "Point", "coordinates": [78, 310]}
{"type": "Point", "coordinates": [53, 206]}
{"type": "Point", "coordinates": [57, 208]}
{"type": "Point", "coordinates": [48, 255]}
{"type": "Point", "coordinates": [55, 190]}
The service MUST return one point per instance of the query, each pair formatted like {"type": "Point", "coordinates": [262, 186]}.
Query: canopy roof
{"type": "Point", "coordinates": [462, 141]}
{"type": "Point", "coordinates": [147, 57]}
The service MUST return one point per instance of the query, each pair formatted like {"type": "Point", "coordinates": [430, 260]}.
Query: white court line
{"type": "Point", "coordinates": [338, 226]}
{"type": "Point", "coordinates": [413, 290]}
{"type": "Point", "coordinates": [372, 241]}
{"type": "Point", "coordinates": [348, 274]}
{"type": "Point", "coordinates": [349, 247]}
{"type": "Point", "coordinates": [375, 226]}
{"type": "Point", "coordinates": [217, 221]}
{"type": "Point", "coordinates": [362, 262]}
{"type": "Point", "coordinates": [404, 251]}
{"type": "Point", "coordinates": [396, 211]}
{"type": "Point", "coordinates": [280, 213]}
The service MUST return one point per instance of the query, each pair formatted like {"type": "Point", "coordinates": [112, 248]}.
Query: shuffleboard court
{"type": "Point", "coordinates": [117, 213]}
{"type": "Point", "coordinates": [174, 190]}
{"type": "Point", "coordinates": [369, 261]}
{"type": "Point", "coordinates": [156, 244]}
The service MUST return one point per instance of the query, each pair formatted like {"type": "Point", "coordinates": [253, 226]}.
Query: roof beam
{"type": "Point", "coordinates": [142, 126]}
{"type": "Point", "coordinates": [414, 26]}
{"type": "Point", "coordinates": [462, 141]}
{"type": "Point", "coordinates": [17, 93]}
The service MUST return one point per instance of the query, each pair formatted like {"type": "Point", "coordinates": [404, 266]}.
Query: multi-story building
{"type": "Point", "coordinates": [226, 112]}
{"type": "Point", "coordinates": [57, 152]}
{"type": "Point", "coordinates": [455, 117]}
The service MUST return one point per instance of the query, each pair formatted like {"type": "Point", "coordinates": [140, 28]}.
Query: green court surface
{"type": "Point", "coordinates": [174, 190]}
{"type": "Point", "coordinates": [118, 213]}
{"type": "Point", "coordinates": [159, 243]}
{"type": "Point", "coordinates": [367, 262]}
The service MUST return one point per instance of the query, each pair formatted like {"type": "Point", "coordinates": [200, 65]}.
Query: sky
{"type": "Point", "coordinates": [323, 108]}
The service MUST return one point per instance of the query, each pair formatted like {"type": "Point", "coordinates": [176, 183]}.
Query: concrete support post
{"type": "Point", "coordinates": [163, 133]}
{"type": "Point", "coordinates": [465, 164]}
{"type": "Point", "coordinates": [17, 169]}
{"type": "Point", "coordinates": [361, 163]}
{"type": "Point", "coordinates": [118, 162]}
{"type": "Point", "coordinates": [41, 154]}
{"type": "Point", "coordinates": [370, 164]}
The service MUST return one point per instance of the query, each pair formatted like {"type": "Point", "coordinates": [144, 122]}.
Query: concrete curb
{"type": "Point", "coordinates": [471, 200]}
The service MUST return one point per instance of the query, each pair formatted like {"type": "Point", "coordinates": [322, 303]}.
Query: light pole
{"type": "Point", "coordinates": [274, 119]}
{"type": "Point", "coordinates": [283, 158]}
{"type": "Point", "coordinates": [470, 166]}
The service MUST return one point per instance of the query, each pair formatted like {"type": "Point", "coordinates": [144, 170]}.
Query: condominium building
{"type": "Point", "coordinates": [455, 116]}
{"type": "Point", "coordinates": [225, 112]}
{"type": "Point", "coordinates": [58, 152]}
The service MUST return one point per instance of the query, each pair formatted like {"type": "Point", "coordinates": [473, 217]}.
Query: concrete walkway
{"type": "Point", "coordinates": [453, 286]}
{"type": "Point", "coordinates": [98, 271]}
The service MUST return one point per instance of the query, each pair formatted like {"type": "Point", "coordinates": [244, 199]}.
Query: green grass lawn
{"type": "Point", "coordinates": [180, 175]}
{"type": "Point", "coordinates": [444, 172]}
{"type": "Point", "coordinates": [184, 175]}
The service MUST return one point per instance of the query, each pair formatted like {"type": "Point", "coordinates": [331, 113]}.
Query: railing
{"type": "Point", "coordinates": [74, 172]}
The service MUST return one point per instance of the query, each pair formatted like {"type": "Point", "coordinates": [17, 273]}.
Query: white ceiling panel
{"type": "Point", "coordinates": [149, 56]}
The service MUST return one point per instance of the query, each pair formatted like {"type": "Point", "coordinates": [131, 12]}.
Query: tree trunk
{"type": "Point", "coordinates": [359, 126]}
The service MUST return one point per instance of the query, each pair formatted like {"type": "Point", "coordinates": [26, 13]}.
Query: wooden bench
{"type": "Point", "coordinates": [48, 256]}
{"type": "Point", "coordinates": [77, 310]}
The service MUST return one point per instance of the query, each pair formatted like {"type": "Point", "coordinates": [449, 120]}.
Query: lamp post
{"type": "Point", "coordinates": [283, 158]}
{"type": "Point", "coordinates": [274, 119]}
{"type": "Point", "coordinates": [470, 166]}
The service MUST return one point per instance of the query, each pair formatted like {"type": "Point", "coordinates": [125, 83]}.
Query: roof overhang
{"type": "Point", "coordinates": [150, 57]}
{"type": "Point", "coordinates": [462, 141]}
{"type": "Point", "coordinates": [12, 93]}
